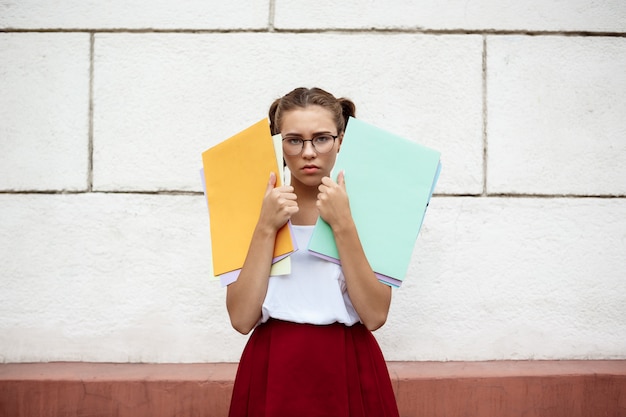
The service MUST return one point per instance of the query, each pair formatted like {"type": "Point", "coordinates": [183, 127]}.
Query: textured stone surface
{"type": "Point", "coordinates": [44, 111]}
{"type": "Point", "coordinates": [556, 115]}
{"type": "Point", "coordinates": [513, 278]}
{"type": "Point", "coordinates": [124, 277]}
{"type": "Point", "coordinates": [576, 15]}
{"type": "Point", "coordinates": [162, 99]}
{"type": "Point", "coordinates": [110, 277]}
{"type": "Point", "coordinates": [105, 109]}
{"type": "Point", "coordinates": [134, 14]}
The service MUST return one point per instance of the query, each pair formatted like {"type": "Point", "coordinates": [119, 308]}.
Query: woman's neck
{"type": "Point", "coordinates": [307, 199]}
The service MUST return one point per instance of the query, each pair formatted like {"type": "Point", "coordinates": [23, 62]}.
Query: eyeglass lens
{"type": "Point", "coordinates": [293, 145]}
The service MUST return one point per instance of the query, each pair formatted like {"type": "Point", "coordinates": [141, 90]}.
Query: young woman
{"type": "Point", "coordinates": [312, 352]}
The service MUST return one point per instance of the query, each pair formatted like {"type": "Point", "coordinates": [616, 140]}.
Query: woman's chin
{"type": "Point", "coordinates": [307, 180]}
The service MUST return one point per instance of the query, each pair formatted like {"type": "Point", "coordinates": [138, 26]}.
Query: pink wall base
{"type": "Point", "coordinates": [432, 389]}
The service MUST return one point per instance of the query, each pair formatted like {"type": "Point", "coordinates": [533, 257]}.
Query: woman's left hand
{"type": "Point", "coordinates": [332, 201]}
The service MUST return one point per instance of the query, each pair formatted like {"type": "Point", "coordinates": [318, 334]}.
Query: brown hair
{"type": "Point", "coordinates": [341, 108]}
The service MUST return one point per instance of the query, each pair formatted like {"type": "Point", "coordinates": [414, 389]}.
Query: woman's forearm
{"type": "Point", "coordinates": [371, 298]}
{"type": "Point", "coordinates": [244, 297]}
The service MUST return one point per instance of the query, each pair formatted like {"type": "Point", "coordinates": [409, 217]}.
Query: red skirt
{"type": "Point", "coordinates": [289, 369]}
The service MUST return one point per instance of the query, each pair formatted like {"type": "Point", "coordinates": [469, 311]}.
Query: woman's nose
{"type": "Point", "coordinates": [308, 149]}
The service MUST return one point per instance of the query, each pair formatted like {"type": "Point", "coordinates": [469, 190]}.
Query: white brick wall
{"type": "Point", "coordinates": [509, 15]}
{"type": "Point", "coordinates": [557, 115]}
{"type": "Point", "coordinates": [134, 14]}
{"type": "Point", "coordinates": [106, 107]}
{"type": "Point", "coordinates": [177, 94]}
{"type": "Point", "coordinates": [44, 111]}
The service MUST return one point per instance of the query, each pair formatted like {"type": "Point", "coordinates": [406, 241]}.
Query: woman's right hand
{"type": "Point", "coordinates": [244, 297]}
{"type": "Point", "coordinates": [279, 204]}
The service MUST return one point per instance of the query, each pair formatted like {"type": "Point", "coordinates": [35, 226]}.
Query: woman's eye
{"type": "Point", "coordinates": [322, 139]}
{"type": "Point", "coordinates": [294, 141]}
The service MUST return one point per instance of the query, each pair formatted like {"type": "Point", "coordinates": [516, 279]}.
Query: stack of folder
{"type": "Point", "coordinates": [235, 175]}
{"type": "Point", "coordinates": [389, 180]}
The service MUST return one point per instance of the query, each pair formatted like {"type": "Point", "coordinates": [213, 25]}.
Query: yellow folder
{"type": "Point", "coordinates": [236, 173]}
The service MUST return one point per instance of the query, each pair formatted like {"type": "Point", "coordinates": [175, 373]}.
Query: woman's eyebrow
{"type": "Point", "coordinates": [323, 132]}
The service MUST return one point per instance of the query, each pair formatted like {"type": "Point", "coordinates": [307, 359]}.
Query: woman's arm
{"type": "Point", "coordinates": [370, 298]}
{"type": "Point", "coordinates": [244, 297]}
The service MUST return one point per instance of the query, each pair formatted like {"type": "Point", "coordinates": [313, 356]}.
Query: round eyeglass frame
{"type": "Point", "coordinates": [312, 144]}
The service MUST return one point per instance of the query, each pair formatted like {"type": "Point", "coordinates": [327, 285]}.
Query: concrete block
{"type": "Point", "coordinates": [44, 111]}
{"type": "Point", "coordinates": [124, 278]}
{"type": "Point", "coordinates": [477, 15]}
{"type": "Point", "coordinates": [110, 278]}
{"type": "Point", "coordinates": [556, 115]}
{"type": "Point", "coordinates": [135, 14]}
{"type": "Point", "coordinates": [162, 99]}
{"type": "Point", "coordinates": [513, 278]}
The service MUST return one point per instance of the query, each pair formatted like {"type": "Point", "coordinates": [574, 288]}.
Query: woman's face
{"type": "Point", "coordinates": [309, 166]}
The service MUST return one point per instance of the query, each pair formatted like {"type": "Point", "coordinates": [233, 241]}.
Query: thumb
{"type": "Point", "coordinates": [341, 180]}
{"type": "Point", "coordinates": [271, 183]}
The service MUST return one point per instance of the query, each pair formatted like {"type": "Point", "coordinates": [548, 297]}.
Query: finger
{"type": "Point", "coordinates": [290, 196]}
{"type": "Point", "coordinates": [286, 202]}
{"type": "Point", "coordinates": [271, 183]}
{"type": "Point", "coordinates": [327, 181]}
{"type": "Point", "coordinates": [285, 189]}
{"type": "Point", "coordinates": [341, 180]}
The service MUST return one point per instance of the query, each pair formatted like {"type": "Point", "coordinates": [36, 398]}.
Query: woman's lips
{"type": "Point", "coordinates": [310, 169]}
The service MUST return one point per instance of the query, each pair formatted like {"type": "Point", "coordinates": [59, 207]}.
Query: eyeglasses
{"type": "Point", "coordinates": [293, 145]}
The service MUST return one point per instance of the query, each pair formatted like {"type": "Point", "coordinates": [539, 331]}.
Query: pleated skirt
{"type": "Point", "coordinates": [304, 370]}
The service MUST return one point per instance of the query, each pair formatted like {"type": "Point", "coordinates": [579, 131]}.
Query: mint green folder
{"type": "Point", "coordinates": [389, 181]}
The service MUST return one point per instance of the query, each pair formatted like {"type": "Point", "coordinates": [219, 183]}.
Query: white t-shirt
{"type": "Point", "coordinates": [315, 291]}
